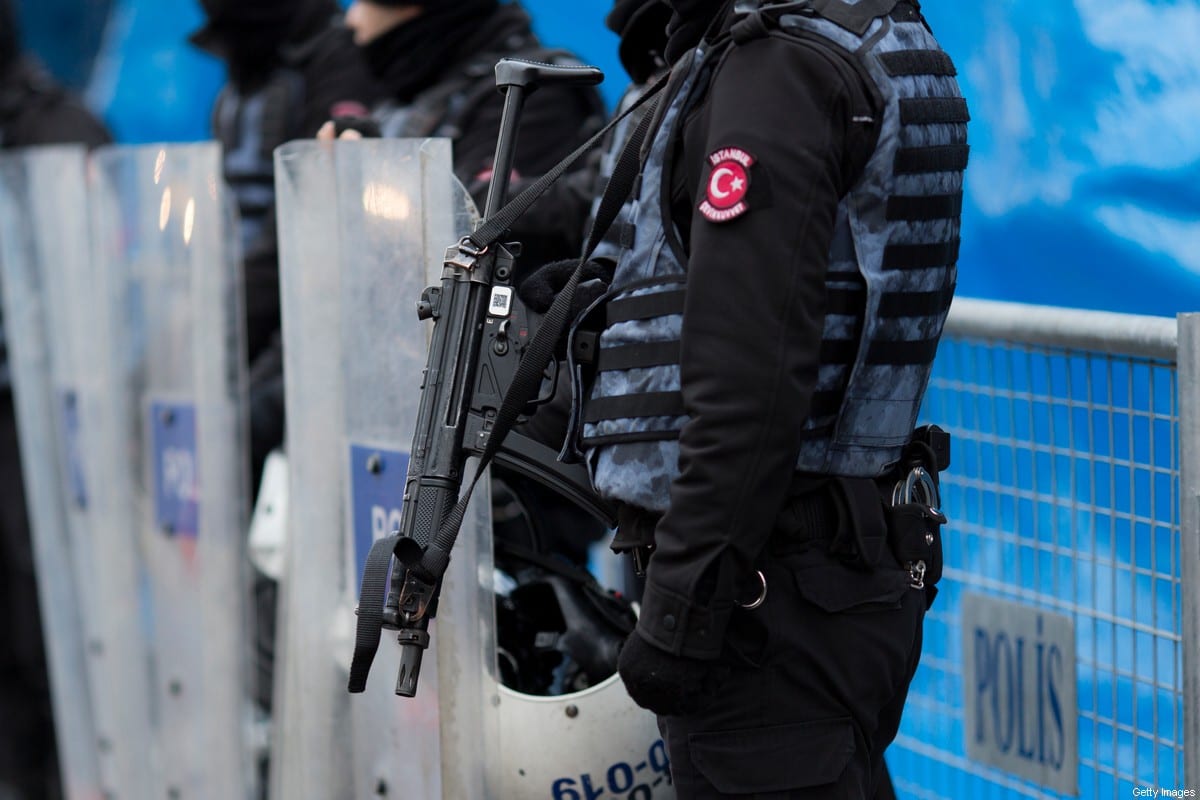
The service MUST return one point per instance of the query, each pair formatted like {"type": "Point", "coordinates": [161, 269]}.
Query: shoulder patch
{"type": "Point", "coordinates": [728, 184]}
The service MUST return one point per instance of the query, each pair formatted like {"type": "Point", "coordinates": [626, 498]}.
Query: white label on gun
{"type": "Point", "coordinates": [501, 305]}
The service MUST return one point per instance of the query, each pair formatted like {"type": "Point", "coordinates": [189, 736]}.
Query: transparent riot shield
{"type": "Point", "coordinates": [363, 228]}
{"type": "Point", "coordinates": [44, 229]}
{"type": "Point", "coordinates": [172, 413]}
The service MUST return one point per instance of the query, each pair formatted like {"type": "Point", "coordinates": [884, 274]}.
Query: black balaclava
{"type": "Point", "coordinates": [688, 24]}
{"type": "Point", "coordinates": [248, 34]}
{"type": "Point", "coordinates": [10, 46]}
{"type": "Point", "coordinates": [410, 57]}
{"type": "Point", "coordinates": [642, 26]}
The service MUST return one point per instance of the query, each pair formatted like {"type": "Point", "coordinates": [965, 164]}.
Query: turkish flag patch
{"type": "Point", "coordinates": [728, 183]}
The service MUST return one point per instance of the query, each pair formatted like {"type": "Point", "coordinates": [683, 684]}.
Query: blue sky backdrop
{"type": "Point", "coordinates": [1083, 187]}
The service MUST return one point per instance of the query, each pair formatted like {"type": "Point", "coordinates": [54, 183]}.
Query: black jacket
{"type": "Point", "coordinates": [35, 110]}
{"type": "Point", "coordinates": [554, 121]}
{"type": "Point", "coordinates": [754, 312]}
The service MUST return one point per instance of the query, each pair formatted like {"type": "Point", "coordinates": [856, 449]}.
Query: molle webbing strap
{"type": "Point", "coordinates": [921, 208]}
{"type": "Point", "coordinates": [904, 353]}
{"type": "Point", "coordinates": [850, 302]}
{"type": "Point", "coordinates": [933, 111]}
{"type": "Point", "coordinates": [917, 62]}
{"type": "Point", "coordinates": [941, 158]}
{"type": "Point", "coordinates": [649, 404]}
{"type": "Point", "coordinates": [855, 18]}
{"type": "Point", "coordinates": [645, 306]}
{"type": "Point", "coordinates": [921, 256]}
{"type": "Point", "coordinates": [638, 356]}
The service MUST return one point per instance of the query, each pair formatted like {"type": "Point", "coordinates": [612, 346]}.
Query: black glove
{"type": "Point", "coordinates": [666, 684]}
{"type": "Point", "coordinates": [367, 126]}
{"type": "Point", "coordinates": [539, 288]}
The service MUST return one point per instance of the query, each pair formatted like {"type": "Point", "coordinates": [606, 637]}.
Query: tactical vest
{"type": "Point", "coordinates": [445, 108]}
{"type": "Point", "coordinates": [619, 235]}
{"type": "Point", "coordinates": [890, 279]}
{"type": "Point", "coordinates": [250, 127]}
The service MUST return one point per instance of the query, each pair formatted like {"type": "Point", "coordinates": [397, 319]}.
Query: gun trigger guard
{"type": "Point", "coordinates": [416, 595]}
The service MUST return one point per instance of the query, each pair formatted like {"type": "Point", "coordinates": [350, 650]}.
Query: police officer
{"type": "Point", "coordinates": [291, 66]}
{"type": "Point", "coordinates": [763, 351]}
{"type": "Point", "coordinates": [436, 60]}
{"type": "Point", "coordinates": [34, 110]}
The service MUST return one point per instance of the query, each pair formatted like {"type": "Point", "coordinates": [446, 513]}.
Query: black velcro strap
{"type": "Point", "coordinates": [826, 403]}
{"type": "Point", "coordinates": [845, 302]}
{"type": "Point", "coordinates": [933, 111]}
{"type": "Point", "coordinates": [920, 160]}
{"type": "Point", "coordinates": [851, 302]}
{"type": "Point", "coordinates": [645, 306]}
{"type": "Point", "coordinates": [839, 351]}
{"type": "Point", "coordinates": [918, 62]}
{"type": "Point", "coordinates": [637, 356]}
{"type": "Point", "coordinates": [908, 353]}
{"type": "Point", "coordinates": [916, 304]}
{"type": "Point", "coordinates": [922, 208]}
{"type": "Point", "coordinates": [634, 406]}
{"type": "Point", "coordinates": [855, 18]}
{"type": "Point", "coordinates": [371, 598]}
{"type": "Point", "coordinates": [921, 256]}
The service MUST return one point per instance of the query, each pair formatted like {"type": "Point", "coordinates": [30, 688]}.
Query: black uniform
{"type": "Point", "coordinates": [34, 110]}
{"type": "Point", "coordinates": [799, 697]}
{"type": "Point", "coordinates": [438, 72]}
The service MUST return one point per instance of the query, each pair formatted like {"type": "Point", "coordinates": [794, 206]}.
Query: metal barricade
{"type": "Point", "coordinates": [1060, 655]}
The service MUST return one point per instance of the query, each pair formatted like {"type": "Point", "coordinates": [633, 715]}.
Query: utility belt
{"type": "Point", "coordinates": [859, 521]}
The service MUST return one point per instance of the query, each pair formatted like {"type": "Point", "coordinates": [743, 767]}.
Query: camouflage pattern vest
{"type": "Point", "coordinates": [249, 127]}
{"type": "Point", "coordinates": [890, 279]}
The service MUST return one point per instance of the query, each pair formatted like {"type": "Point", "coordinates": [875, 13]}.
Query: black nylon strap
{"type": "Point", "coordinates": [645, 306]}
{"type": "Point", "coordinates": [917, 62]}
{"type": "Point", "coordinates": [634, 406]}
{"type": "Point", "coordinates": [637, 356]}
{"type": "Point", "coordinates": [933, 110]}
{"type": "Point", "coordinates": [908, 353]}
{"type": "Point", "coordinates": [916, 304]}
{"type": "Point", "coordinates": [921, 208]}
{"type": "Point", "coordinates": [942, 158]}
{"type": "Point", "coordinates": [371, 597]}
{"type": "Point", "coordinates": [839, 351]}
{"type": "Point", "coordinates": [493, 228]}
{"type": "Point", "coordinates": [920, 256]}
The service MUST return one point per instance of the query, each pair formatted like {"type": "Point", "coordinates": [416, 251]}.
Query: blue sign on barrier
{"type": "Point", "coordinates": [175, 463]}
{"type": "Point", "coordinates": [68, 405]}
{"type": "Point", "coordinates": [377, 494]}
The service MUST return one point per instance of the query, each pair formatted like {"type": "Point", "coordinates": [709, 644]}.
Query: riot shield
{"type": "Point", "coordinates": [171, 409]}
{"type": "Point", "coordinates": [363, 228]}
{"type": "Point", "coordinates": [43, 238]}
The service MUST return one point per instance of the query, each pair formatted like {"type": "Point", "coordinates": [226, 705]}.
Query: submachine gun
{"type": "Point", "coordinates": [482, 333]}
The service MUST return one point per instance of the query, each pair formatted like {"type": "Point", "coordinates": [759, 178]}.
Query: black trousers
{"type": "Point", "coordinates": [820, 675]}
{"type": "Point", "coordinates": [28, 759]}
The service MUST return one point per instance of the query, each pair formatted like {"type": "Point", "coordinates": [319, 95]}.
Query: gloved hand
{"type": "Point", "coordinates": [667, 684]}
{"type": "Point", "coordinates": [539, 288]}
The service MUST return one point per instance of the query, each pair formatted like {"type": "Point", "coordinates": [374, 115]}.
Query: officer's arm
{"type": "Point", "coordinates": [752, 322]}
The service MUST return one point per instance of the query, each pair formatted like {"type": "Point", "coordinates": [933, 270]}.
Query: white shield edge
{"type": "Point", "coordinates": [27, 181]}
{"type": "Point", "coordinates": [170, 283]}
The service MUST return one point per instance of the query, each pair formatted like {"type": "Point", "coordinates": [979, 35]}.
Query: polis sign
{"type": "Point", "coordinates": [1019, 682]}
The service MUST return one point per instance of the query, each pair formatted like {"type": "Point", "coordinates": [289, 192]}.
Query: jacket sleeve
{"type": "Point", "coordinates": [752, 322]}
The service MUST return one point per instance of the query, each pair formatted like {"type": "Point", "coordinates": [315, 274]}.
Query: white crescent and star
{"type": "Point", "coordinates": [714, 184]}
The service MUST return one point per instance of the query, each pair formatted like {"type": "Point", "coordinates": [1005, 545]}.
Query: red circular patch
{"type": "Point", "coordinates": [727, 185]}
